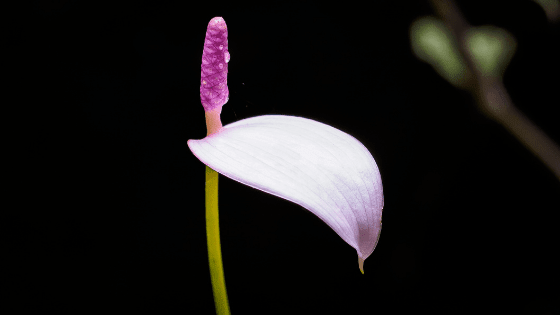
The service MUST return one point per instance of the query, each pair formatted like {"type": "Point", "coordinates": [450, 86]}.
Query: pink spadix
{"type": "Point", "coordinates": [214, 91]}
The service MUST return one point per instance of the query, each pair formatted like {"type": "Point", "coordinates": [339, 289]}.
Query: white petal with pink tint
{"type": "Point", "coordinates": [321, 168]}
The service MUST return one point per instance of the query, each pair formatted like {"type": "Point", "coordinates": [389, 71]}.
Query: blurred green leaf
{"type": "Point", "coordinates": [551, 9]}
{"type": "Point", "coordinates": [492, 49]}
{"type": "Point", "coordinates": [432, 42]}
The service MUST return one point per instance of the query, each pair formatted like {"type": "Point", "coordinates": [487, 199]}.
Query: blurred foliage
{"type": "Point", "coordinates": [551, 9]}
{"type": "Point", "coordinates": [475, 58]}
{"type": "Point", "coordinates": [432, 42]}
{"type": "Point", "coordinates": [491, 47]}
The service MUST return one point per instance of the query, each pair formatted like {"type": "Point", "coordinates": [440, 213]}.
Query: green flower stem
{"type": "Point", "coordinates": [213, 239]}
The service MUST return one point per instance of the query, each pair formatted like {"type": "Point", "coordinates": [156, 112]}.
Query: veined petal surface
{"type": "Point", "coordinates": [321, 168]}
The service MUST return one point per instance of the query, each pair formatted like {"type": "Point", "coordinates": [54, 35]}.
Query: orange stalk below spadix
{"type": "Point", "coordinates": [213, 121]}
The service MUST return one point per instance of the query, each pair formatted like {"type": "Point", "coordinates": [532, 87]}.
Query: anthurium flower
{"type": "Point", "coordinates": [321, 168]}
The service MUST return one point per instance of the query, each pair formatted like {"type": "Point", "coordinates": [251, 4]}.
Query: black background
{"type": "Point", "coordinates": [111, 215]}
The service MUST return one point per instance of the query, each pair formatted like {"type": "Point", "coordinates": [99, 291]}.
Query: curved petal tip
{"type": "Point", "coordinates": [361, 264]}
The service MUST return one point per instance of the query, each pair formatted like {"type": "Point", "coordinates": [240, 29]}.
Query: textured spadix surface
{"type": "Point", "coordinates": [321, 168]}
{"type": "Point", "coordinates": [214, 69]}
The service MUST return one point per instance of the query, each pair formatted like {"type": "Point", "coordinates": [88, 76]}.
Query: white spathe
{"type": "Point", "coordinates": [321, 168]}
